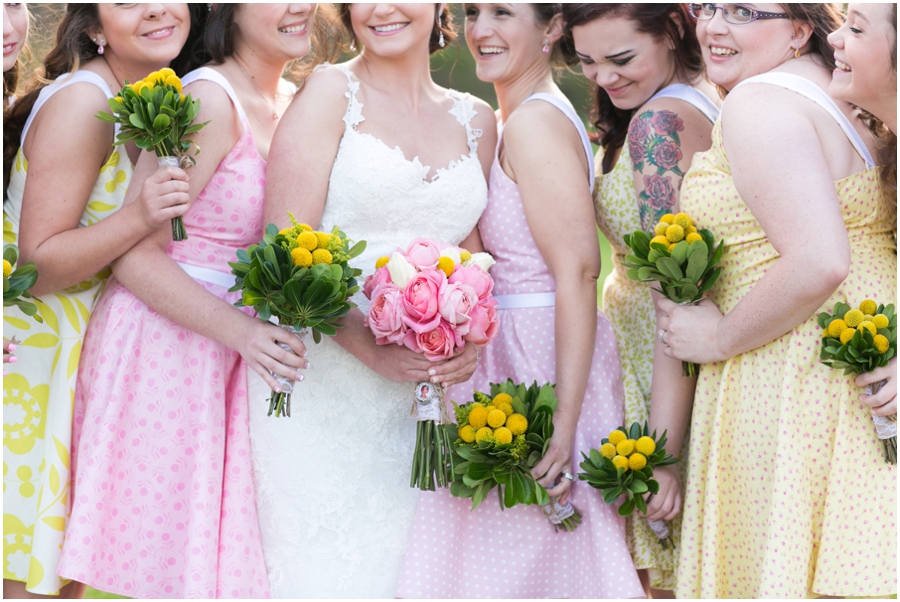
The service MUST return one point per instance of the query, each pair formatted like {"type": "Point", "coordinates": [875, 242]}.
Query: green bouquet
{"type": "Point", "coordinates": [17, 281]}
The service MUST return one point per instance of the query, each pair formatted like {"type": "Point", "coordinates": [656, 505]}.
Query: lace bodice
{"type": "Point", "coordinates": [377, 195]}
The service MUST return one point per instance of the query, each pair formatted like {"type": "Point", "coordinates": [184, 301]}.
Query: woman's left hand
{"type": "Point", "coordinates": [690, 333]}
{"type": "Point", "coordinates": [883, 403]}
{"type": "Point", "coordinates": [557, 460]}
{"type": "Point", "coordinates": [457, 369]}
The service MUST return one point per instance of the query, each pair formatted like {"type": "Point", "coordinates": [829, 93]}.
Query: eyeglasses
{"type": "Point", "coordinates": [736, 14]}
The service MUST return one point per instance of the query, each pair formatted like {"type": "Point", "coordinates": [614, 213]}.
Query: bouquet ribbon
{"type": "Point", "coordinates": [556, 513]}
{"type": "Point", "coordinates": [885, 426]}
{"type": "Point", "coordinates": [429, 403]}
{"type": "Point", "coordinates": [287, 384]}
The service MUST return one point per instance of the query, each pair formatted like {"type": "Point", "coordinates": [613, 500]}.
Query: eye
{"type": "Point", "coordinates": [471, 12]}
{"type": "Point", "coordinates": [502, 12]}
{"type": "Point", "coordinates": [126, 4]}
{"type": "Point", "coordinates": [855, 30]}
{"type": "Point", "coordinates": [586, 60]}
{"type": "Point", "coordinates": [622, 62]}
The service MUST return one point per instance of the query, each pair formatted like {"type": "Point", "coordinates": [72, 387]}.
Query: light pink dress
{"type": "Point", "coordinates": [455, 552]}
{"type": "Point", "coordinates": [163, 499]}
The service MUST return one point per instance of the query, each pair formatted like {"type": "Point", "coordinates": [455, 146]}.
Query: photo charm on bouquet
{"type": "Point", "coordinates": [303, 278]}
{"type": "Point", "coordinates": [433, 298]}
{"type": "Point", "coordinates": [155, 114]}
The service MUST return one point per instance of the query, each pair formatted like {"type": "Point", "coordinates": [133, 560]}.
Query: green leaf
{"type": "Point", "coordinates": [670, 268]}
{"type": "Point", "coordinates": [161, 121]}
{"type": "Point", "coordinates": [136, 121]}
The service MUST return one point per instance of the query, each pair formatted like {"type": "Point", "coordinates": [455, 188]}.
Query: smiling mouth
{"type": "Point", "coordinates": [842, 66]}
{"type": "Point", "coordinates": [7, 48]}
{"type": "Point", "coordinates": [390, 28]}
{"type": "Point", "coordinates": [490, 50]}
{"type": "Point", "coordinates": [293, 28]}
{"type": "Point", "coordinates": [158, 33]}
{"type": "Point", "coordinates": [719, 51]}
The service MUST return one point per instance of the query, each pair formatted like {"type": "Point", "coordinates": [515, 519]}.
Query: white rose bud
{"type": "Point", "coordinates": [482, 260]}
{"type": "Point", "coordinates": [452, 253]}
{"type": "Point", "coordinates": [401, 270]}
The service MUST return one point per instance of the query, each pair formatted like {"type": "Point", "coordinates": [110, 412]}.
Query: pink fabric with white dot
{"type": "Point", "coordinates": [163, 496]}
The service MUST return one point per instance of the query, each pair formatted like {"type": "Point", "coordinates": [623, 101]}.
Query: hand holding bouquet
{"type": "Point", "coordinates": [624, 466]}
{"type": "Point", "coordinates": [678, 258]}
{"type": "Point", "coordinates": [303, 277]}
{"type": "Point", "coordinates": [858, 341]}
{"type": "Point", "coordinates": [500, 439]}
{"type": "Point", "coordinates": [156, 115]}
{"type": "Point", "coordinates": [16, 283]}
{"type": "Point", "coordinates": [433, 298]}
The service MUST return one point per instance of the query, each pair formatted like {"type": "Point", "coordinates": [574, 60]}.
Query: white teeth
{"type": "Point", "coordinates": [386, 28]}
{"type": "Point", "coordinates": [722, 51]}
{"type": "Point", "coordinates": [158, 31]}
{"type": "Point", "coordinates": [491, 50]}
{"type": "Point", "coordinates": [842, 66]}
{"type": "Point", "coordinates": [293, 29]}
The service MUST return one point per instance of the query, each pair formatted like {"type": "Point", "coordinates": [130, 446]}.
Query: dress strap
{"type": "Point", "coordinates": [80, 76]}
{"type": "Point", "coordinates": [569, 111]}
{"type": "Point", "coordinates": [805, 87]}
{"type": "Point", "coordinates": [208, 74]}
{"type": "Point", "coordinates": [464, 110]}
{"type": "Point", "coordinates": [353, 117]}
{"type": "Point", "coordinates": [692, 96]}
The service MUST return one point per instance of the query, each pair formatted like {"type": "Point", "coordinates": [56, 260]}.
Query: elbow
{"type": "Point", "coordinates": [828, 269]}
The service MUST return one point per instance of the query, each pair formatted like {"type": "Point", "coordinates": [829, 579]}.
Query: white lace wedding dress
{"type": "Point", "coordinates": [335, 505]}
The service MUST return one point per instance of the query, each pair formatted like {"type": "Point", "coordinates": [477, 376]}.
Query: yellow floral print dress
{"type": "Point", "coordinates": [39, 389]}
{"type": "Point", "coordinates": [788, 494]}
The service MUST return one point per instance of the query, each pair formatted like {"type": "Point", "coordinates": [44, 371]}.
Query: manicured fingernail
{"type": "Point", "coordinates": [306, 366]}
{"type": "Point", "coordinates": [12, 347]}
{"type": "Point", "coordinates": [444, 385]}
{"type": "Point", "coordinates": [13, 359]}
{"type": "Point", "coordinates": [432, 372]}
{"type": "Point", "coordinates": [278, 389]}
{"type": "Point", "coordinates": [303, 353]}
{"type": "Point", "coordinates": [434, 379]}
{"type": "Point", "coordinates": [299, 376]}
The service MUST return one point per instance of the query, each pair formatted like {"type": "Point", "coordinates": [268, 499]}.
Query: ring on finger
{"type": "Point", "coordinates": [661, 337]}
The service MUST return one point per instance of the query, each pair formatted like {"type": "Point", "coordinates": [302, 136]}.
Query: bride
{"type": "Point", "coordinates": [376, 147]}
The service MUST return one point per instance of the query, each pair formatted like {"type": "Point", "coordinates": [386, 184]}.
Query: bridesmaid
{"type": "Point", "coordinates": [547, 292]}
{"type": "Point", "coordinates": [646, 61]}
{"type": "Point", "coordinates": [66, 187]}
{"type": "Point", "coordinates": [787, 486]}
{"type": "Point", "coordinates": [164, 501]}
{"type": "Point", "coordinates": [865, 51]}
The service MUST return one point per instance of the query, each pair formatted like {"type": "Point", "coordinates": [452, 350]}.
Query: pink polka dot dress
{"type": "Point", "coordinates": [455, 552]}
{"type": "Point", "coordinates": [787, 494]}
{"type": "Point", "coordinates": [163, 496]}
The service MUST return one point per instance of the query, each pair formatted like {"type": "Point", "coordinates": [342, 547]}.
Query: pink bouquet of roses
{"type": "Point", "coordinates": [433, 298]}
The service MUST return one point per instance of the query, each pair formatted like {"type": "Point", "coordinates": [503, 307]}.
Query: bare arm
{"type": "Point", "coordinates": [66, 147]}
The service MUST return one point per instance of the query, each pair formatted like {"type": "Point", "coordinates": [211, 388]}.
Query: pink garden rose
{"type": "Point", "coordinates": [478, 279]}
{"type": "Point", "coordinates": [421, 300]}
{"type": "Point", "coordinates": [456, 303]}
{"type": "Point", "coordinates": [423, 253]}
{"type": "Point", "coordinates": [483, 325]}
{"type": "Point", "coordinates": [381, 276]}
{"type": "Point", "coordinates": [437, 344]}
{"type": "Point", "coordinates": [385, 317]}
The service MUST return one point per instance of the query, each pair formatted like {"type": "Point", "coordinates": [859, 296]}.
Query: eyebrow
{"type": "Point", "coordinates": [617, 55]}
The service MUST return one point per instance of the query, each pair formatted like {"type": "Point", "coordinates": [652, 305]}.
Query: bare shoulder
{"type": "Point", "coordinates": [74, 107]}
{"type": "Point", "coordinates": [538, 120]}
{"type": "Point", "coordinates": [215, 102]}
{"type": "Point", "coordinates": [676, 113]}
{"type": "Point", "coordinates": [326, 87]}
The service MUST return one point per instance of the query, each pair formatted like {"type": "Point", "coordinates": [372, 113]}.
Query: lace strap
{"type": "Point", "coordinates": [464, 110]}
{"type": "Point", "coordinates": [80, 76]}
{"type": "Point", "coordinates": [353, 117]}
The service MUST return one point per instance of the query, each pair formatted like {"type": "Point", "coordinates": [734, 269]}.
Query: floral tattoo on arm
{"type": "Point", "coordinates": [655, 152]}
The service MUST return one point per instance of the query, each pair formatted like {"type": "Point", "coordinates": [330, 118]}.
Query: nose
{"type": "Point", "coordinates": [605, 78]}
{"type": "Point", "coordinates": [480, 28]}
{"type": "Point", "coordinates": [716, 25]}
{"type": "Point", "coordinates": [383, 10]}
{"type": "Point", "coordinates": [154, 11]}
{"type": "Point", "coordinates": [836, 39]}
{"type": "Point", "coordinates": [300, 9]}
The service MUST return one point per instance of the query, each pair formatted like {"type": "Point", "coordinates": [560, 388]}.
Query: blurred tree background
{"type": "Point", "coordinates": [453, 67]}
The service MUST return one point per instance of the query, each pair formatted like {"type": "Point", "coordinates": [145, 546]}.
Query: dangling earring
{"type": "Point", "coordinates": [546, 47]}
{"type": "Point", "coordinates": [100, 47]}
{"type": "Point", "coordinates": [353, 45]}
{"type": "Point", "coordinates": [797, 52]}
{"type": "Point", "coordinates": [441, 39]}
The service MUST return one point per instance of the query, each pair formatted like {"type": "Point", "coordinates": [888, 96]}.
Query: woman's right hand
{"type": "Point", "coordinates": [665, 504]}
{"type": "Point", "coordinates": [259, 347]}
{"type": "Point", "coordinates": [400, 364]}
{"type": "Point", "coordinates": [8, 348]}
{"type": "Point", "coordinates": [164, 195]}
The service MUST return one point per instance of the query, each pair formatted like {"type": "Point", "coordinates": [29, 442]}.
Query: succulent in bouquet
{"type": "Point", "coordinates": [302, 277]}
{"type": "Point", "coordinates": [17, 281]}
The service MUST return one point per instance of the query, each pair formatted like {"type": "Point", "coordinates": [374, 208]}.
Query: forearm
{"type": "Point", "coordinates": [356, 338]}
{"type": "Point", "coordinates": [671, 399]}
{"type": "Point", "coordinates": [575, 330]}
{"type": "Point", "coordinates": [69, 257]}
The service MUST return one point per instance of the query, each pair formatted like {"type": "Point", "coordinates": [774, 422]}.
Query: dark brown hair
{"type": "Point", "coordinates": [823, 18]}
{"type": "Point", "coordinates": [443, 22]}
{"type": "Point", "coordinates": [887, 140]}
{"type": "Point", "coordinates": [563, 53]}
{"type": "Point", "coordinates": [74, 47]}
{"type": "Point", "coordinates": [670, 22]}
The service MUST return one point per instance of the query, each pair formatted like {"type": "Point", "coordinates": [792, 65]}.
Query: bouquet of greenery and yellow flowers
{"type": "Point", "coordinates": [156, 115]}
{"type": "Point", "coordinates": [302, 277]}
{"type": "Point", "coordinates": [858, 341]}
{"type": "Point", "coordinates": [16, 283]}
{"type": "Point", "coordinates": [500, 439]}
{"type": "Point", "coordinates": [624, 466]}
{"type": "Point", "coordinates": [681, 258]}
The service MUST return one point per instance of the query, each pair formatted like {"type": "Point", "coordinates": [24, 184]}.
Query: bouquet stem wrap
{"type": "Point", "coordinates": [178, 232]}
{"type": "Point", "coordinates": [562, 516]}
{"type": "Point", "coordinates": [432, 458]}
{"type": "Point", "coordinates": [885, 426]}
{"type": "Point", "coordinates": [689, 369]}
{"type": "Point", "coordinates": [661, 530]}
{"type": "Point", "coordinates": [280, 403]}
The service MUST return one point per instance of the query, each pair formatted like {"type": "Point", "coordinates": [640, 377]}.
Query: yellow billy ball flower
{"type": "Point", "coordinates": [502, 398]}
{"type": "Point", "coordinates": [853, 318]}
{"type": "Point", "coordinates": [308, 241]}
{"type": "Point", "coordinates": [166, 72]}
{"type": "Point", "coordinates": [503, 435]}
{"type": "Point", "coordinates": [880, 321]}
{"type": "Point", "coordinates": [149, 85]}
{"type": "Point", "coordinates": [620, 462]}
{"type": "Point", "coordinates": [617, 437]}
{"type": "Point", "coordinates": [322, 256]}
{"type": "Point", "coordinates": [119, 99]}
{"type": "Point", "coordinates": [381, 262]}
{"type": "Point", "coordinates": [690, 230]}
{"type": "Point", "coordinates": [467, 433]}
{"type": "Point", "coordinates": [608, 450]}
{"type": "Point", "coordinates": [881, 343]}
{"type": "Point", "coordinates": [152, 78]}
{"type": "Point", "coordinates": [660, 228]}
{"type": "Point", "coordinates": [868, 326]}
{"type": "Point", "coordinates": [683, 220]}
{"type": "Point", "coordinates": [284, 231]}
{"type": "Point", "coordinates": [478, 416]}
{"type": "Point", "coordinates": [136, 86]}
{"type": "Point", "coordinates": [483, 432]}
{"type": "Point", "coordinates": [322, 239]}
{"type": "Point", "coordinates": [637, 461]}
{"type": "Point", "coordinates": [173, 81]}
{"type": "Point", "coordinates": [691, 237]}
{"type": "Point", "coordinates": [672, 246]}
{"type": "Point", "coordinates": [625, 448]}
{"type": "Point", "coordinates": [446, 265]}
{"type": "Point", "coordinates": [301, 257]}
{"type": "Point", "coordinates": [675, 233]}
{"type": "Point", "coordinates": [646, 445]}
{"type": "Point", "coordinates": [464, 255]}
{"type": "Point", "coordinates": [304, 228]}
{"type": "Point", "coordinates": [506, 408]}
{"type": "Point", "coordinates": [7, 269]}
{"type": "Point", "coordinates": [668, 218]}
{"type": "Point", "coordinates": [660, 239]}
{"type": "Point", "coordinates": [496, 418]}
{"type": "Point", "coordinates": [517, 424]}
{"type": "Point", "coordinates": [847, 335]}
{"type": "Point", "coordinates": [868, 307]}
{"type": "Point", "coordinates": [836, 328]}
